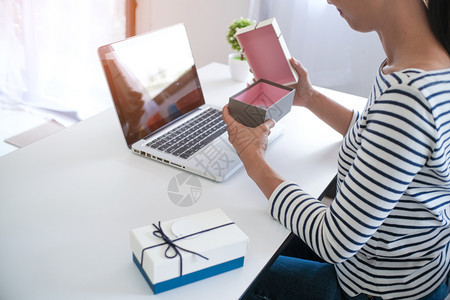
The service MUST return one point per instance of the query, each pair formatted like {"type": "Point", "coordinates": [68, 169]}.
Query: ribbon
{"type": "Point", "coordinates": [158, 232]}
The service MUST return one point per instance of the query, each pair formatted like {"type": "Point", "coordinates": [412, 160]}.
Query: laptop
{"type": "Point", "coordinates": [160, 104]}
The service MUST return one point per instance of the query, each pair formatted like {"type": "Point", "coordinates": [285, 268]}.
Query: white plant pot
{"type": "Point", "coordinates": [239, 69]}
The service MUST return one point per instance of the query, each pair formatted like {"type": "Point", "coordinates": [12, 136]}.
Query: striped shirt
{"type": "Point", "coordinates": [387, 231]}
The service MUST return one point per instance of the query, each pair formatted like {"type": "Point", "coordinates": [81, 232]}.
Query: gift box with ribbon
{"type": "Point", "coordinates": [173, 253]}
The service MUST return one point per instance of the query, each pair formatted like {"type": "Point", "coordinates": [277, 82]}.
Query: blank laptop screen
{"type": "Point", "coordinates": [153, 80]}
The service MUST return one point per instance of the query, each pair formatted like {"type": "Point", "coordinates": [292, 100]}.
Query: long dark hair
{"type": "Point", "coordinates": [439, 16]}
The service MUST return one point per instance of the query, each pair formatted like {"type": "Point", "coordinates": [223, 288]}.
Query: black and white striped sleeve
{"type": "Point", "coordinates": [395, 138]}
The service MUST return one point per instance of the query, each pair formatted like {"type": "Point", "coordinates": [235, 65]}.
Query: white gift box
{"type": "Point", "coordinates": [188, 249]}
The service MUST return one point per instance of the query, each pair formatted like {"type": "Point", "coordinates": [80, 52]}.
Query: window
{"type": "Point", "coordinates": [48, 53]}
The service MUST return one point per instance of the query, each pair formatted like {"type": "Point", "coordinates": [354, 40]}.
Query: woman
{"type": "Point", "coordinates": [386, 234]}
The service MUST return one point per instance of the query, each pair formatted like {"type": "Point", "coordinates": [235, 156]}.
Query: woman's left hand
{"type": "Point", "coordinates": [249, 143]}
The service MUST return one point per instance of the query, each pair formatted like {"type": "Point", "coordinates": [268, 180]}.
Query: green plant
{"type": "Point", "coordinates": [238, 23]}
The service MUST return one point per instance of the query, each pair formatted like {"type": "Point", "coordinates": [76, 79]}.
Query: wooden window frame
{"type": "Point", "coordinates": [130, 14]}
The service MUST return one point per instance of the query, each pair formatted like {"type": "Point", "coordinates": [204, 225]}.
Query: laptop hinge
{"type": "Point", "coordinates": [168, 124]}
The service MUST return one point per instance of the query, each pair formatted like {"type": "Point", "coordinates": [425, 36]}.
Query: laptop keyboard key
{"type": "Point", "coordinates": [190, 137]}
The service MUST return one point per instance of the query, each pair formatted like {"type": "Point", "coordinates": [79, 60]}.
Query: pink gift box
{"type": "Point", "coordinates": [261, 101]}
{"type": "Point", "coordinates": [268, 57]}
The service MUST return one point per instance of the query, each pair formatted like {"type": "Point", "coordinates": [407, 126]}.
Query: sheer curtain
{"type": "Point", "coordinates": [336, 56]}
{"type": "Point", "coordinates": [48, 53]}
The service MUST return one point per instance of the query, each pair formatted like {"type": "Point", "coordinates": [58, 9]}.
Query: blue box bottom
{"type": "Point", "coordinates": [191, 277]}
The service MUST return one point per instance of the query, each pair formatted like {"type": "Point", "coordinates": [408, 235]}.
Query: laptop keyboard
{"type": "Point", "coordinates": [190, 137]}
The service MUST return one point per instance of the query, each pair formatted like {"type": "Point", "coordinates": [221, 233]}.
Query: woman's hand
{"type": "Point", "coordinates": [304, 91]}
{"type": "Point", "coordinates": [251, 145]}
{"type": "Point", "coordinates": [331, 112]}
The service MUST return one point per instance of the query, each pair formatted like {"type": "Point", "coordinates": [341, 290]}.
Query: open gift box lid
{"type": "Point", "coordinates": [266, 52]}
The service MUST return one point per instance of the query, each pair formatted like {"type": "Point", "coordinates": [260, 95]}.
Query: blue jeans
{"type": "Point", "coordinates": [309, 277]}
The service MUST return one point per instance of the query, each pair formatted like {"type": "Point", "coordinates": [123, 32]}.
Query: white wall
{"type": "Point", "coordinates": [206, 22]}
{"type": "Point", "coordinates": [336, 56]}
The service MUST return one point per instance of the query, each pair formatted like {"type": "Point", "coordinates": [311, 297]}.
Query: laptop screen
{"type": "Point", "coordinates": [153, 80]}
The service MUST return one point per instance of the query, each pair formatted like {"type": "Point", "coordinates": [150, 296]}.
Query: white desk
{"type": "Point", "coordinates": [68, 202]}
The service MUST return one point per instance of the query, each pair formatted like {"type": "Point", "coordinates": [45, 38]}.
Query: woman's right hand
{"type": "Point", "coordinates": [304, 91]}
